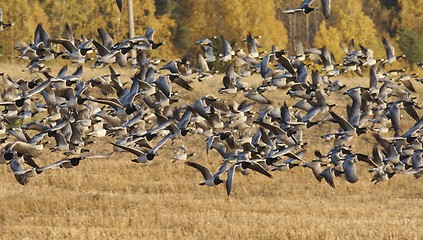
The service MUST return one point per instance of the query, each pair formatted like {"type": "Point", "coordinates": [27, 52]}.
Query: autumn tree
{"type": "Point", "coordinates": [411, 15]}
{"type": "Point", "coordinates": [25, 15]}
{"type": "Point", "coordinates": [383, 14]}
{"type": "Point", "coordinates": [347, 22]}
{"type": "Point", "coordinates": [181, 22]}
{"type": "Point", "coordinates": [163, 7]}
{"type": "Point", "coordinates": [232, 19]}
{"type": "Point", "coordinates": [300, 27]}
{"type": "Point", "coordinates": [411, 44]}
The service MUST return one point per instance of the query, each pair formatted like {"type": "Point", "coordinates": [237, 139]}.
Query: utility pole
{"type": "Point", "coordinates": [131, 27]}
{"type": "Point", "coordinates": [307, 30]}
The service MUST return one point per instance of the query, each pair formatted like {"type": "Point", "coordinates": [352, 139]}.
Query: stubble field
{"type": "Point", "coordinates": [112, 197]}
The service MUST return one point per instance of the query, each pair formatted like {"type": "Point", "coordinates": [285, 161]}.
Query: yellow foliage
{"type": "Point", "coordinates": [234, 20]}
{"type": "Point", "coordinates": [411, 15]}
{"type": "Point", "coordinates": [329, 37]}
{"type": "Point", "coordinates": [20, 13]}
{"type": "Point", "coordinates": [189, 20]}
{"type": "Point", "coordinates": [84, 17]}
{"type": "Point", "coordinates": [347, 22]}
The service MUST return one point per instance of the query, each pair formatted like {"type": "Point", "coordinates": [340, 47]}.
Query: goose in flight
{"type": "Point", "coordinates": [305, 8]}
{"type": "Point", "coordinates": [182, 154]}
{"type": "Point", "coordinates": [209, 179]}
{"type": "Point", "coordinates": [328, 175]}
{"type": "Point", "coordinates": [68, 162]}
{"type": "Point", "coordinates": [141, 155]}
{"type": "Point", "coordinates": [243, 165]}
{"type": "Point", "coordinates": [21, 148]}
{"type": "Point", "coordinates": [2, 24]}
{"type": "Point", "coordinates": [21, 174]}
{"type": "Point", "coordinates": [390, 51]}
{"type": "Point", "coordinates": [348, 131]}
{"type": "Point", "coordinates": [76, 53]}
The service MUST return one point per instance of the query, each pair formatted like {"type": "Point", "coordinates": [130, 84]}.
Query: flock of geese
{"type": "Point", "coordinates": [252, 135]}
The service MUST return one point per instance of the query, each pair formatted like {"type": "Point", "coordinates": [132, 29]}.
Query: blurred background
{"type": "Point", "coordinates": [182, 22]}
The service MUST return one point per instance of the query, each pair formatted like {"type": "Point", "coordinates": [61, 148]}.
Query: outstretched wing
{"type": "Point", "coordinates": [119, 4]}
{"type": "Point", "coordinates": [326, 8]}
{"type": "Point", "coordinates": [205, 171]}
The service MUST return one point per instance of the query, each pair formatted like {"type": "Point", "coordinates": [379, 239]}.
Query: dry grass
{"type": "Point", "coordinates": [113, 197]}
